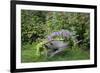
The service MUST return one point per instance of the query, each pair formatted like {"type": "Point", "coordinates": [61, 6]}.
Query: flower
{"type": "Point", "coordinates": [66, 33]}
{"type": "Point", "coordinates": [49, 38]}
{"type": "Point", "coordinates": [63, 33]}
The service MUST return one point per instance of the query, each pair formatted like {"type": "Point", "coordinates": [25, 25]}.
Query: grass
{"type": "Point", "coordinates": [28, 54]}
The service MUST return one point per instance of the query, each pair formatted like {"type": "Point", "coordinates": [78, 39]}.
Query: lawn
{"type": "Point", "coordinates": [28, 54]}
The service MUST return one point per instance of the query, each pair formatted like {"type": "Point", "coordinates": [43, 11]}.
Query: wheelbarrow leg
{"type": "Point", "coordinates": [56, 52]}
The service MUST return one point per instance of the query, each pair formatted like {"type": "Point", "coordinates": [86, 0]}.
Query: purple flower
{"type": "Point", "coordinates": [56, 33]}
{"type": "Point", "coordinates": [49, 38]}
{"type": "Point", "coordinates": [66, 33]}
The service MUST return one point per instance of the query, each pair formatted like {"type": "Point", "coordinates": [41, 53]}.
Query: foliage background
{"type": "Point", "coordinates": [42, 23]}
